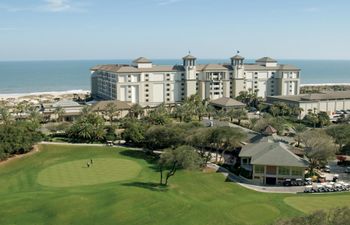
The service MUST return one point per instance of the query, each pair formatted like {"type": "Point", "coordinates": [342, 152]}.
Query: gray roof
{"type": "Point", "coordinates": [273, 154]}
{"type": "Point", "coordinates": [65, 103]}
{"type": "Point", "coordinates": [266, 59]}
{"type": "Point", "coordinates": [312, 97]}
{"type": "Point", "coordinates": [103, 105]}
{"type": "Point", "coordinates": [115, 68]}
{"type": "Point", "coordinates": [237, 57]}
{"type": "Point", "coordinates": [189, 57]}
{"type": "Point", "coordinates": [227, 102]}
{"type": "Point", "coordinates": [142, 60]}
{"type": "Point", "coordinates": [283, 67]}
{"type": "Point", "coordinates": [213, 67]}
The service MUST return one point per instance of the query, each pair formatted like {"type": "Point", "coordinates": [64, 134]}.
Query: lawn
{"type": "Point", "coordinates": [55, 186]}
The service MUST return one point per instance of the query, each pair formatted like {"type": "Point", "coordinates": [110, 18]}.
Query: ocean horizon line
{"type": "Point", "coordinates": [162, 59]}
{"type": "Point", "coordinates": [85, 91]}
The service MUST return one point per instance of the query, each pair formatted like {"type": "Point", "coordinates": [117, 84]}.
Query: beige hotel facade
{"type": "Point", "coordinates": [144, 83]}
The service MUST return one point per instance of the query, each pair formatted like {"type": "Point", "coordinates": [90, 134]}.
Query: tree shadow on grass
{"type": "Point", "coordinates": [149, 157]}
{"type": "Point", "coordinates": [148, 185]}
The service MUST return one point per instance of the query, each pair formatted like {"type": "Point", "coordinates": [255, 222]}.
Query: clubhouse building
{"type": "Point", "coordinates": [144, 83]}
{"type": "Point", "coordinates": [271, 163]}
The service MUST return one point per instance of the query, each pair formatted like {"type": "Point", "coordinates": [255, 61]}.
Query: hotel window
{"type": "Point", "coordinates": [129, 86]}
{"type": "Point", "coordinates": [167, 75]}
{"type": "Point", "coordinates": [182, 84]}
{"type": "Point", "coordinates": [216, 93]}
{"type": "Point", "coordinates": [129, 96]}
{"type": "Point", "coordinates": [146, 100]}
{"type": "Point", "coordinates": [168, 99]}
{"type": "Point", "coordinates": [129, 75]}
{"type": "Point", "coordinates": [259, 169]}
{"type": "Point", "coordinates": [168, 89]}
{"type": "Point", "coordinates": [168, 79]}
{"type": "Point", "coordinates": [167, 94]}
{"type": "Point", "coordinates": [167, 85]}
{"type": "Point", "coordinates": [146, 85]}
{"type": "Point", "coordinates": [255, 86]}
{"type": "Point", "coordinates": [283, 170]}
{"type": "Point", "coordinates": [146, 75]}
{"type": "Point", "coordinates": [146, 90]}
{"type": "Point", "coordinates": [129, 91]}
{"type": "Point", "coordinates": [182, 89]}
{"type": "Point", "coordinates": [146, 95]}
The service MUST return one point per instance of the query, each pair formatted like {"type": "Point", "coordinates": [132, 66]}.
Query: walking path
{"type": "Point", "coordinates": [243, 182]}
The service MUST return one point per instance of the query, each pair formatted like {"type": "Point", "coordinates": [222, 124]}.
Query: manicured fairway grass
{"type": "Point", "coordinates": [77, 173]}
{"type": "Point", "coordinates": [32, 192]}
{"type": "Point", "coordinates": [313, 203]}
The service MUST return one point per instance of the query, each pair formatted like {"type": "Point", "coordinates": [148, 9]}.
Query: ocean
{"type": "Point", "coordinates": [47, 76]}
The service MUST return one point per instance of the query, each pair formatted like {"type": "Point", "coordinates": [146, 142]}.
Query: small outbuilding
{"type": "Point", "coordinates": [226, 103]}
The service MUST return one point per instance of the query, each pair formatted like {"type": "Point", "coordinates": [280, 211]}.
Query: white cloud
{"type": "Point", "coordinates": [57, 5]}
{"type": "Point", "coordinates": [311, 9]}
{"type": "Point", "coordinates": [168, 2]}
{"type": "Point", "coordinates": [8, 28]}
{"type": "Point", "coordinates": [48, 6]}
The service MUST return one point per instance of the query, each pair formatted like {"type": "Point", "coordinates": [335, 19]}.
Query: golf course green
{"type": "Point", "coordinates": [79, 172]}
{"type": "Point", "coordinates": [55, 186]}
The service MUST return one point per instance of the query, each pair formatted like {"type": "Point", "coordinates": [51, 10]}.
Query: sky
{"type": "Point", "coordinates": [169, 29]}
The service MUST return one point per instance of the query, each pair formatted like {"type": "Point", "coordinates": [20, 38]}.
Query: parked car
{"type": "Point", "coordinates": [347, 170]}
{"type": "Point", "coordinates": [308, 181]}
{"type": "Point", "coordinates": [309, 189]}
{"type": "Point", "coordinates": [293, 182]}
{"type": "Point", "coordinates": [327, 169]}
{"type": "Point", "coordinates": [287, 182]}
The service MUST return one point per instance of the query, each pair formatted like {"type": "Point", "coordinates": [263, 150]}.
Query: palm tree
{"type": "Point", "coordinates": [179, 112]}
{"type": "Point", "coordinates": [5, 115]}
{"type": "Point", "coordinates": [59, 111]}
{"type": "Point", "coordinates": [85, 110]}
{"type": "Point", "coordinates": [299, 129]}
{"type": "Point", "coordinates": [239, 114]}
{"type": "Point", "coordinates": [226, 139]}
{"type": "Point", "coordinates": [111, 110]}
{"type": "Point", "coordinates": [210, 111]}
{"type": "Point", "coordinates": [136, 110]}
{"type": "Point", "coordinates": [200, 110]}
{"type": "Point", "coordinates": [284, 108]}
{"type": "Point", "coordinates": [274, 110]}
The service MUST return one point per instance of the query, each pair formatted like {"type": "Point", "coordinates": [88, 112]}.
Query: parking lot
{"type": "Point", "coordinates": [335, 169]}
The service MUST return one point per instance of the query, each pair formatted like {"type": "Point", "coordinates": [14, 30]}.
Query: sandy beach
{"type": "Point", "coordinates": [43, 95]}
{"type": "Point", "coordinates": [324, 84]}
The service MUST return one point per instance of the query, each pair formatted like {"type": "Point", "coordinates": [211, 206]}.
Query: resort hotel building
{"type": "Point", "coordinates": [144, 83]}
